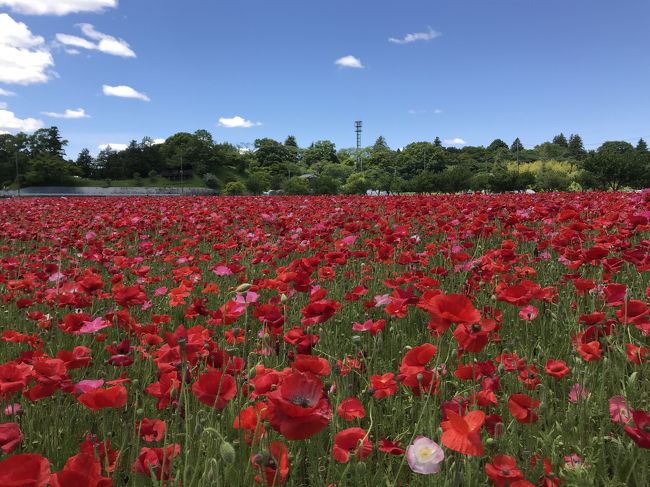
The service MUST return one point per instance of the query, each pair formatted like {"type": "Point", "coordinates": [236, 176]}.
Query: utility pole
{"type": "Point", "coordinates": [17, 173]}
{"type": "Point", "coordinates": [518, 144]}
{"type": "Point", "coordinates": [358, 129]}
{"type": "Point", "coordinates": [182, 188]}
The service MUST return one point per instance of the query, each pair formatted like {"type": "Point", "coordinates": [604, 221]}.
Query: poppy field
{"type": "Point", "coordinates": [411, 340]}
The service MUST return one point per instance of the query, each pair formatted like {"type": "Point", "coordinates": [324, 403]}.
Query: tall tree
{"type": "Point", "coordinates": [560, 140]}
{"type": "Point", "coordinates": [320, 151]}
{"type": "Point", "coordinates": [437, 142]}
{"type": "Point", "coordinates": [496, 145]}
{"type": "Point", "coordinates": [47, 141]}
{"type": "Point", "coordinates": [516, 145]}
{"type": "Point", "coordinates": [380, 145]}
{"type": "Point", "coordinates": [85, 162]}
{"type": "Point", "coordinates": [642, 146]}
{"type": "Point", "coordinates": [576, 147]}
{"type": "Point", "coordinates": [615, 164]}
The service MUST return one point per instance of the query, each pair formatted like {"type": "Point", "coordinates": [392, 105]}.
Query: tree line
{"type": "Point", "coordinates": [422, 167]}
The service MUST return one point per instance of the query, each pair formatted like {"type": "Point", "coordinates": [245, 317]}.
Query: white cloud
{"type": "Point", "coordinates": [72, 52]}
{"type": "Point", "coordinates": [455, 141]}
{"type": "Point", "coordinates": [237, 122]}
{"type": "Point", "coordinates": [24, 59]}
{"type": "Point", "coordinates": [415, 37]}
{"type": "Point", "coordinates": [349, 62]}
{"type": "Point", "coordinates": [3, 105]}
{"type": "Point", "coordinates": [158, 141]}
{"type": "Point", "coordinates": [113, 146]}
{"type": "Point", "coordinates": [437, 111]}
{"type": "Point", "coordinates": [104, 42]}
{"type": "Point", "coordinates": [9, 122]}
{"type": "Point", "coordinates": [123, 91]}
{"type": "Point", "coordinates": [71, 114]}
{"type": "Point", "coordinates": [57, 7]}
{"type": "Point", "coordinates": [74, 41]}
{"type": "Point", "coordinates": [4, 92]}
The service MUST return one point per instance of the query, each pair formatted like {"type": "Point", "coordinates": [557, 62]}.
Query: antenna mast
{"type": "Point", "coordinates": [358, 125]}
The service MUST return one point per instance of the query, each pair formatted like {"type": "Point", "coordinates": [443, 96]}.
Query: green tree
{"type": "Point", "coordinates": [47, 141]}
{"type": "Point", "coordinates": [496, 145]}
{"type": "Point", "coordinates": [357, 183]}
{"type": "Point", "coordinates": [552, 180]}
{"type": "Point", "coordinates": [47, 169]}
{"type": "Point", "coordinates": [516, 146]}
{"type": "Point", "coordinates": [85, 162]}
{"type": "Point", "coordinates": [320, 151]}
{"type": "Point", "coordinates": [234, 188]}
{"type": "Point", "coordinates": [642, 146]}
{"type": "Point", "coordinates": [324, 185]}
{"type": "Point", "coordinates": [296, 186]}
{"type": "Point", "coordinates": [576, 147]}
{"type": "Point", "coordinates": [258, 182]}
{"type": "Point", "coordinates": [380, 145]}
{"type": "Point", "coordinates": [437, 142]}
{"type": "Point", "coordinates": [421, 156]}
{"type": "Point", "coordinates": [560, 140]}
{"type": "Point", "coordinates": [615, 164]}
{"type": "Point", "coordinates": [211, 181]}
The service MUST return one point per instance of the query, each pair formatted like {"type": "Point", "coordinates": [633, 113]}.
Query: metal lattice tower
{"type": "Point", "coordinates": [358, 125]}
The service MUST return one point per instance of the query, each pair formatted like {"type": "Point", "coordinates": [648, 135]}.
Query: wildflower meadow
{"type": "Point", "coordinates": [462, 340]}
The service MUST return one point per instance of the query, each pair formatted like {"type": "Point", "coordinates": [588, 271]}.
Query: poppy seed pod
{"type": "Point", "coordinates": [242, 288]}
{"type": "Point", "coordinates": [227, 452]}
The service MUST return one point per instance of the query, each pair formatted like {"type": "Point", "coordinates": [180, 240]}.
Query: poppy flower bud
{"type": "Point", "coordinates": [139, 412]}
{"type": "Point", "coordinates": [420, 377]}
{"type": "Point", "coordinates": [283, 298]}
{"type": "Point", "coordinates": [227, 452]}
{"type": "Point", "coordinates": [242, 288]}
{"type": "Point", "coordinates": [361, 468]}
{"type": "Point", "coordinates": [213, 468]}
{"type": "Point", "coordinates": [356, 339]}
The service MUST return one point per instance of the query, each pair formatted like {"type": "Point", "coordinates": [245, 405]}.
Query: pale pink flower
{"type": "Point", "coordinates": [424, 456]}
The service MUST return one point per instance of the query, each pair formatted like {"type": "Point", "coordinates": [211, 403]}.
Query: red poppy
{"type": "Point", "coordinates": [156, 461]}
{"type": "Point", "coordinates": [313, 364]}
{"type": "Point", "coordinates": [373, 327]}
{"type": "Point", "coordinates": [390, 447]}
{"type": "Point", "coordinates": [129, 296]}
{"type": "Point", "coordinates": [250, 420]}
{"type": "Point", "coordinates": [522, 407]}
{"type": "Point", "coordinates": [556, 368]}
{"type": "Point", "coordinates": [298, 408]}
{"type": "Point", "coordinates": [10, 437]}
{"type": "Point", "coordinates": [640, 432]}
{"type": "Point", "coordinates": [351, 408]}
{"type": "Point", "coordinates": [503, 471]}
{"type": "Point", "coordinates": [636, 354]}
{"type": "Point", "coordinates": [97, 399]}
{"type": "Point", "coordinates": [529, 377]}
{"type": "Point", "coordinates": [81, 470]}
{"type": "Point", "coordinates": [94, 447]}
{"type": "Point", "coordinates": [151, 429]}
{"type": "Point", "coordinates": [351, 441]}
{"type": "Point", "coordinates": [590, 351]}
{"type": "Point", "coordinates": [382, 385]}
{"type": "Point", "coordinates": [274, 464]}
{"type": "Point", "coordinates": [319, 312]}
{"type": "Point", "coordinates": [26, 470]}
{"type": "Point", "coordinates": [447, 309]}
{"type": "Point", "coordinates": [473, 338]}
{"type": "Point", "coordinates": [462, 433]}
{"type": "Point", "coordinates": [215, 388]}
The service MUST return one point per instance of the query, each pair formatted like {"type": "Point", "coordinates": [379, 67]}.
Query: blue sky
{"type": "Point", "coordinates": [476, 69]}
